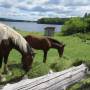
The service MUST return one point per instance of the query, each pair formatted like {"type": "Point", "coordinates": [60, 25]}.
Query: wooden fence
{"type": "Point", "coordinates": [54, 81]}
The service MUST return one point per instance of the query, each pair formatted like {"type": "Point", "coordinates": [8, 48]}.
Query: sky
{"type": "Point", "coordinates": [36, 9]}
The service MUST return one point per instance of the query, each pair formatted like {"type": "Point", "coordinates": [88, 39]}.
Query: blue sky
{"type": "Point", "coordinates": [35, 9]}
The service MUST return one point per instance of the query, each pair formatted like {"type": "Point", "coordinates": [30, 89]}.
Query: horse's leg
{"type": "Point", "coordinates": [2, 78]}
{"type": "Point", "coordinates": [1, 65]}
{"type": "Point", "coordinates": [6, 70]}
{"type": "Point", "coordinates": [1, 59]}
{"type": "Point", "coordinates": [59, 52]}
{"type": "Point", "coordinates": [45, 56]}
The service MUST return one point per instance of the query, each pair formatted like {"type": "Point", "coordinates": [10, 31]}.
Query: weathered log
{"type": "Point", "coordinates": [54, 81]}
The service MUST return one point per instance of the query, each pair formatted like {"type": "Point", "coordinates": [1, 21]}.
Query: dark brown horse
{"type": "Point", "coordinates": [10, 39]}
{"type": "Point", "coordinates": [45, 43]}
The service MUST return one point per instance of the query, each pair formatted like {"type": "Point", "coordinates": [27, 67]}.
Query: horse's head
{"type": "Point", "coordinates": [27, 60]}
{"type": "Point", "coordinates": [61, 50]}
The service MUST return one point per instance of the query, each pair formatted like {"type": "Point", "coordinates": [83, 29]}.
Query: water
{"type": "Point", "coordinates": [31, 26]}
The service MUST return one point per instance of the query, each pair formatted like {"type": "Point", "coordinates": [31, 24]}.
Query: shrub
{"type": "Point", "coordinates": [74, 25]}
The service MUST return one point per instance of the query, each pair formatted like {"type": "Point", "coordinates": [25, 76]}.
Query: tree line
{"type": "Point", "coordinates": [77, 25]}
{"type": "Point", "coordinates": [57, 20]}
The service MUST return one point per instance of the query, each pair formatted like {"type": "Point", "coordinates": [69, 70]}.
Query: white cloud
{"type": "Point", "coordinates": [77, 2]}
{"type": "Point", "coordinates": [34, 9]}
{"type": "Point", "coordinates": [36, 2]}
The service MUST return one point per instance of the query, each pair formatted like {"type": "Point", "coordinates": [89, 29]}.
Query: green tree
{"type": "Point", "coordinates": [74, 25]}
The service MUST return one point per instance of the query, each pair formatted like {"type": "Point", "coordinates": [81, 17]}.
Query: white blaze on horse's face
{"type": "Point", "coordinates": [27, 62]}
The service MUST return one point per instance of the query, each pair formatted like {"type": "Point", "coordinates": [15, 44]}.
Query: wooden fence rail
{"type": "Point", "coordinates": [54, 81]}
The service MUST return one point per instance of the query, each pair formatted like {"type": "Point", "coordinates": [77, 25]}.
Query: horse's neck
{"type": "Point", "coordinates": [29, 49]}
{"type": "Point", "coordinates": [17, 48]}
{"type": "Point", "coordinates": [55, 45]}
{"type": "Point", "coordinates": [53, 40]}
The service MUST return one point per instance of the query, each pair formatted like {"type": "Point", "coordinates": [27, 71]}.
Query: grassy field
{"type": "Point", "coordinates": [75, 51]}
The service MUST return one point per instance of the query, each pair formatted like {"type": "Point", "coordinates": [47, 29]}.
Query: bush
{"type": "Point", "coordinates": [74, 25]}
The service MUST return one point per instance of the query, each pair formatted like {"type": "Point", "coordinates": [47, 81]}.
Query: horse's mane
{"type": "Point", "coordinates": [8, 33]}
{"type": "Point", "coordinates": [53, 40]}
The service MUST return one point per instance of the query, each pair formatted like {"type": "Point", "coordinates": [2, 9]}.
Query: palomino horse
{"type": "Point", "coordinates": [10, 39]}
{"type": "Point", "coordinates": [45, 43]}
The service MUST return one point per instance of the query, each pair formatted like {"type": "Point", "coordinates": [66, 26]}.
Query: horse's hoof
{"type": "Point", "coordinates": [3, 79]}
{"type": "Point", "coordinates": [9, 73]}
{"type": "Point", "coordinates": [25, 77]}
{"type": "Point", "coordinates": [50, 71]}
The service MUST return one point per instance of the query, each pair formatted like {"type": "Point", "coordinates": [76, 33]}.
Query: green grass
{"type": "Point", "coordinates": [75, 51]}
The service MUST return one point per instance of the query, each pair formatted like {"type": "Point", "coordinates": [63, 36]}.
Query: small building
{"type": "Point", "coordinates": [49, 31]}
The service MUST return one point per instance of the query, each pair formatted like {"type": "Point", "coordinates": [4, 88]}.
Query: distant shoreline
{"type": "Point", "coordinates": [13, 20]}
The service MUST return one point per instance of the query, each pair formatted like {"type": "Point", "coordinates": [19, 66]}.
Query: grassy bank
{"type": "Point", "coordinates": [75, 51]}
